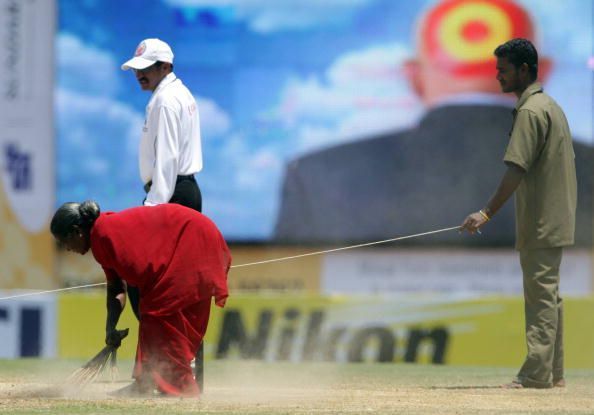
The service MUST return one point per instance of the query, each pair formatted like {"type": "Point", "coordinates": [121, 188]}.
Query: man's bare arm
{"type": "Point", "coordinates": [507, 186]}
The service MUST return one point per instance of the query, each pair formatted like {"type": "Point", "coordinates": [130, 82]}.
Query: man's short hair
{"type": "Point", "coordinates": [160, 63]}
{"type": "Point", "coordinates": [519, 51]}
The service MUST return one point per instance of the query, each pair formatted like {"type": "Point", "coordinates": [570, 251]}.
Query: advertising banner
{"type": "Point", "coordinates": [449, 271]}
{"type": "Point", "coordinates": [292, 274]}
{"type": "Point", "coordinates": [388, 270]}
{"type": "Point", "coordinates": [439, 329]}
{"type": "Point", "coordinates": [251, 272]}
{"type": "Point", "coordinates": [323, 122]}
{"type": "Point", "coordinates": [28, 326]}
{"type": "Point", "coordinates": [27, 184]}
{"type": "Point", "coordinates": [81, 318]}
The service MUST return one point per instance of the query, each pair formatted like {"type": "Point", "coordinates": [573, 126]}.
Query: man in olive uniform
{"type": "Point", "coordinates": [541, 171]}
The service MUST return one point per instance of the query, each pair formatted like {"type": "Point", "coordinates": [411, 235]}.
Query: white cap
{"type": "Point", "coordinates": [147, 53]}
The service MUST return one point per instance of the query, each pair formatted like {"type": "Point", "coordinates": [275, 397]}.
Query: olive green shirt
{"type": "Point", "coordinates": [540, 143]}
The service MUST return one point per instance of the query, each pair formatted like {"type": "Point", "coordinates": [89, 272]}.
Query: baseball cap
{"type": "Point", "coordinates": [147, 53]}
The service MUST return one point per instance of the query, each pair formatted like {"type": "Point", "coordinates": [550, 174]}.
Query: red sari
{"type": "Point", "coordinates": [179, 260]}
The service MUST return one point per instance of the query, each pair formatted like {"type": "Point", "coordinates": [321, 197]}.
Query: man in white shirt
{"type": "Point", "coordinates": [170, 147]}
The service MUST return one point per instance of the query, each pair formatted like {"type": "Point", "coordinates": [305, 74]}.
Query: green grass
{"type": "Point", "coordinates": [240, 387]}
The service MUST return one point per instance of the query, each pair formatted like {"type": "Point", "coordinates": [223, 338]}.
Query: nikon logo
{"type": "Point", "coordinates": [295, 335]}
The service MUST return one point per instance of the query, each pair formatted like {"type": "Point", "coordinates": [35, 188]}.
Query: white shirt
{"type": "Point", "coordinates": [170, 143]}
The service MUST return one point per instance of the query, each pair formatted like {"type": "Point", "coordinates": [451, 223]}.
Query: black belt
{"type": "Point", "coordinates": [147, 186]}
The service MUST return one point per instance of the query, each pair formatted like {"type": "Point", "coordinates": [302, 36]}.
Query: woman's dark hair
{"type": "Point", "coordinates": [82, 215]}
{"type": "Point", "coordinates": [519, 51]}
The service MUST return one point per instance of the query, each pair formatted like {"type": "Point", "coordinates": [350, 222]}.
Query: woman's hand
{"type": "Point", "coordinates": [114, 337]}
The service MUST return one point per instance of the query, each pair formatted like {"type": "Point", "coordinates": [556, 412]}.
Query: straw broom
{"type": "Point", "coordinates": [88, 373]}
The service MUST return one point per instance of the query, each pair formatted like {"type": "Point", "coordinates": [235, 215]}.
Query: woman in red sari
{"type": "Point", "coordinates": [177, 258]}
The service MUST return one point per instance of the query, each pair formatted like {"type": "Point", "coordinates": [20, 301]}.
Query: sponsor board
{"type": "Point", "coordinates": [27, 179]}
{"type": "Point", "coordinates": [27, 326]}
{"type": "Point", "coordinates": [302, 275]}
{"type": "Point", "coordinates": [455, 271]}
{"type": "Point", "coordinates": [442, 329]}
{"type": "Point", "coordinates": [81, 326]}
{"type": "Point", "coordinates": [369, 271]}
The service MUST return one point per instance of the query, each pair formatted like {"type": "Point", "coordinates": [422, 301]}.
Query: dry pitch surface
{"type": "Point", "coordinates": [236, 387]}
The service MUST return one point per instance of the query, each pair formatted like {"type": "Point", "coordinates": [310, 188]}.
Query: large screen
{"type": "Point", "coordinates": [288, 92]}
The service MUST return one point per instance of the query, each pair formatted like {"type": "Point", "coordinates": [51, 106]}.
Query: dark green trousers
{"type": "Point", "coordinates": [544, 318]}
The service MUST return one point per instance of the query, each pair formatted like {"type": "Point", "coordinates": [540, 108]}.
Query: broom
{"type": "Point", "coordinates": [89, 372]}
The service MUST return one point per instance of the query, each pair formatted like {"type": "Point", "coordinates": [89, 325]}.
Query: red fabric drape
{"type": "Point", "coordinates": [166, 345]}
{"type": "Point", "coordinates": [179, 261]}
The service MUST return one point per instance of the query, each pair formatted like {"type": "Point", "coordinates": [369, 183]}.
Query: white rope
{"type": "Point", "coordinates": [258, 262]}
{"type": "Point", "coordinates": [345, 248]}
{"type": "Point", "coordinates": [52, 291]}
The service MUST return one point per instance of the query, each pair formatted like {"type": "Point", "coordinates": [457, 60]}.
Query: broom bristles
{"type": "Point", "coordinates": [85, 375]}
{"type": "Point", "coordinates": [113, 366]}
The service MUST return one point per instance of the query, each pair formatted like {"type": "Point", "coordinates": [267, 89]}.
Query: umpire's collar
{"type": "Point", "coordinates": [169, 78]}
